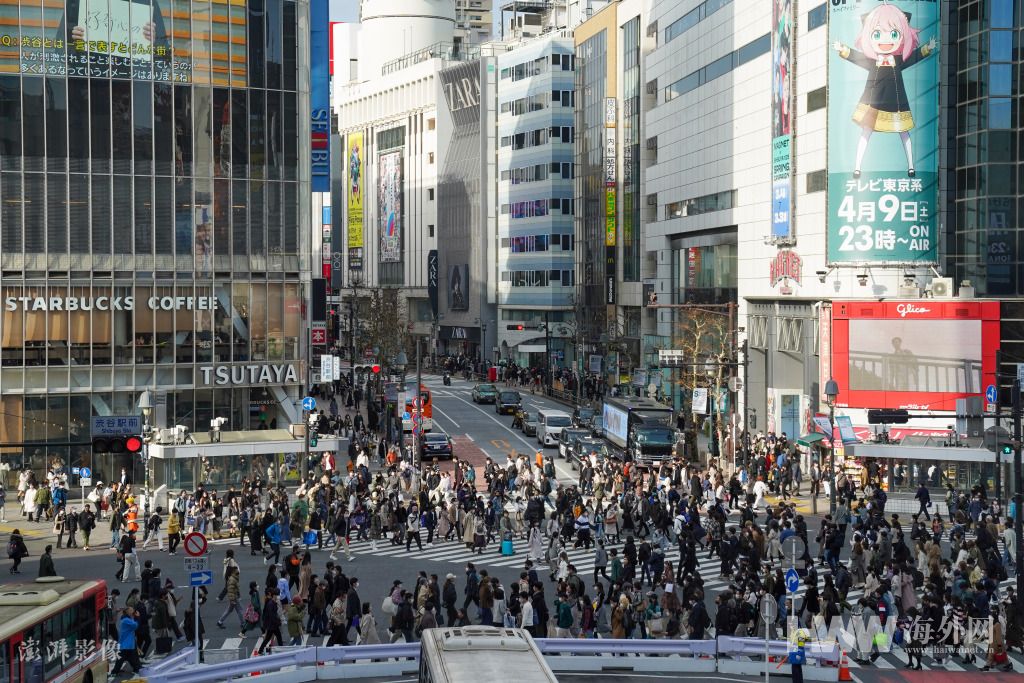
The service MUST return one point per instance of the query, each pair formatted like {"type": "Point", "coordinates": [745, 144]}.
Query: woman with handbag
{"type": "Point", "coordinates": [997, 655]}
{"type": "Point", "coordinates": [251, 615]}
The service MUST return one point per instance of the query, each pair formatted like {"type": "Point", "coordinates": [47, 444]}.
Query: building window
{"type": "Point", "coordinates": [430, 194]}
{"type": "Point", "coordinates": [431, 124]}
{"type": "Point", "coordinates": [719, 201]}
{"type": "Point", "coordinates": [694, 17]}
{"type": "Point", "coordinates": [816, 99]}
{"type": "Point", "coordinates": [719, 67]}
{"type": "Point", "coordinates": [430, 157]}
{"type": "Point", "coordinates": [430, 230]}
{"type": "Point", "coordinates": [817, 17]}
{"type": "Point", "coordinates": [817, 181]}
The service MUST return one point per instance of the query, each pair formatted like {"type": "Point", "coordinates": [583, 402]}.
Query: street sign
{"type": "Point", "coordinates": [406, 416]}
{"type": "Point", "coordinates": [991, 393]}
{"type": "Point", "coordinates": [76, 470]}
{"type": "Point", "coordinates": [792, 580]}
{"type": "Point", "coordinates": [792, 551]}
{"type": "Point", "coordinates": [309, 403]}
{"type": "Point", "coordinates": [116, 425]}
{"type": "Point", "coordinates": [327, 368]}
{"type": "Point", "coordinates": [195, 544]}
{"type": "Point", "coordinates": [197, 564]}
{"type": "Point", "coordinates": [671, 358]}
{"type": "Point", "coordinates": [769, 609]}
{"type": "Point", "coordinates": [83, 472]}
{"type": "Point", "coordinates": [196, 579]}
{"type": "Point", "coordinates": [318, 336]}
{"type": "Point", "coordinates": [85, 481]}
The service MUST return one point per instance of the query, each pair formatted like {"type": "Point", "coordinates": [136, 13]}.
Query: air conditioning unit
{"type": "Point", "coordinates": [966, 290]}
{"type": "Point", "coordinates": [941, 287]}
{"type": "Point", "coordinates": [166, 437]}
{"type": "Point", "coordinates": [652, 87]}
{"type": "Point", "coordinates": [910, 292]}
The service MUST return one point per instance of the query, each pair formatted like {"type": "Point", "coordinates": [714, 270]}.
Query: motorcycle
{"type": "Point", "coordinates": [447, 379]}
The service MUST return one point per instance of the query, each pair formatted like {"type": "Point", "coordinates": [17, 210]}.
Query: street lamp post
{"type": "Point", "coordinates": [831, 394]}
{"type": "Point", "coordinates": [146, 406]}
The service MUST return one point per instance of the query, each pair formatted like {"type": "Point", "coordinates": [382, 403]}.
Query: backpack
{"type": "Point", "coordinates": [628, 620]}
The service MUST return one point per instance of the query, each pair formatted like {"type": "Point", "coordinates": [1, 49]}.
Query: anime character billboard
{"type": "Point", "coordinates": [883, 131]}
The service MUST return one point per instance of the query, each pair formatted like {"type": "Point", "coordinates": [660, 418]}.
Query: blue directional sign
{"type": "Point", "coordinates": [309, 403]}
{"type": "Point", "coordinates": [991, 393]}
{"type": "Point", "coordinates": [200, 578]}
{"type": "Point", "coordinates": [85, 472]}
{"type": "Point", "coordinates": [406, 416]}
{"type": "Point", "coordinates": [792, 580]}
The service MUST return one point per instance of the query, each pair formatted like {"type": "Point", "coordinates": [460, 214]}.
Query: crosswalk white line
{"type": "Point", "coordinates": [231, 644]}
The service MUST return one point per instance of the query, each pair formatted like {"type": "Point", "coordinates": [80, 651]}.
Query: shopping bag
{"type": "Point", "coordinates": [164, 645]}
{"type": "Point", "coordinates": [309, 538]}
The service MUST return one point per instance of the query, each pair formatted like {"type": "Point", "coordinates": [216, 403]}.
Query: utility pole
{"type": "Point", "coordinates": [999, 455]}
{"type": "Point", "coordinates": [418, 433]}
{"type": "Point", "coordinates": [746, 399]}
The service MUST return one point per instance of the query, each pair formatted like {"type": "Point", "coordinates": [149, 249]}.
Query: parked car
{"type": "Point", "coordinates": [508, 403]}
{"type": "Point", "coordinates": [436, 445]}
{"type": "Point", "coordinates": [582, 448]}
{"type": "Point", "coordinates": [567, 437]}
{"type": "Point", "coordinates": [530, 423]}
{"type": "Point", "coordinates": [582, 416]}
{"type": "Point", "coordinates": [485, 393]}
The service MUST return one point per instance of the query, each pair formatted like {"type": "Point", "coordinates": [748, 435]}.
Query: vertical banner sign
{"type": "Point", "coordinates": [326, 368]}
{"type": "Point", "coordinates": [782, 118]}
{"type": "Point", "coordinates": [824, 349]}
{"type": "Point", "coordinates": [432, 267]}
{"type": "Point", "coordinates": [610, 197]}
{"type": "Point", "coordinates": [354, 194]}
{"type": "Point", "coordinates": [883, 79]}
{"type": "Point", "coordinates": [389, 206]}
{"type": "Point", "coordinates": [319, 98]}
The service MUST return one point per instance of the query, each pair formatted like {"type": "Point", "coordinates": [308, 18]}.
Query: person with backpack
{"type": "Point", "coordinates": [153, 524]}
{"type": "Point", "coordinates": [86, 522]}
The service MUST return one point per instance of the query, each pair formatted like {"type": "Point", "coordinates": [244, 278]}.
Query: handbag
{"type": "Point", "coordinates": [656, 624]}
{"type": "Point", "coordinates": [1000, 657]}
{"type": "Point", "coordinates": [250, 615]}
{"type": "Point", "coordinates": [388, 606]}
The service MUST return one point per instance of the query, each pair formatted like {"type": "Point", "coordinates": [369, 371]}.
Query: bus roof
{"type": "Point", "coordinates": [24, 604]}
{"type": "Point", "coordinates": [482, 653]}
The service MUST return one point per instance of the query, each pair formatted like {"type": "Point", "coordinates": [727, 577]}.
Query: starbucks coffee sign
{"type": "Point", "coordinates": [109, 303]}
{"type": "Point", "coordinates": [246, 374]}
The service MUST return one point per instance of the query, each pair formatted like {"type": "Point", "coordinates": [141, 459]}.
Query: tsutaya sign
{"type": "Point", "coordinates": [227, 375]}
{"type": "Point", "coordinates": [109, 303]}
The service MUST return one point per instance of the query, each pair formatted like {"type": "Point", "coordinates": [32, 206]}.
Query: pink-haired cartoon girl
{"type": "Point", "coordinates": [885, 47]}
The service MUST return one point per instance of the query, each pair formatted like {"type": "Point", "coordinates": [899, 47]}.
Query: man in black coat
{"type": "Point", "coordinates": [353, 607]}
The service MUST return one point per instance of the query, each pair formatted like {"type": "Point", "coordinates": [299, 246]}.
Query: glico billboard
{"type": "Point", "coordinates": [921, 354]}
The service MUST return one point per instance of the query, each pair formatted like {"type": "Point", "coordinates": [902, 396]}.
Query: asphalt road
{"type": "Point", "coordinates": [478, 433]}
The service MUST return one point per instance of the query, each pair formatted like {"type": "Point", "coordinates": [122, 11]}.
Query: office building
{"type": "Point", "coordinates": [154, 191]}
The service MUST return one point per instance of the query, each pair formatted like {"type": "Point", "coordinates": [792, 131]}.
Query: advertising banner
{"type": "Point", "coordinates": [782, 118]}
{"type": "Point", "coordinates": [355, 191]}
{"type": "Point", "coordinates": [458, 287]}
{"type": "Point", "coordinates": [319, 96]}
{"type": "Point", "coordinates": [389, 204]}
{"type": "Point", "coordinates": [883, 132]}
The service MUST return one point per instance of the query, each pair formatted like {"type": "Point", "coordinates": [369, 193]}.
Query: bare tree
{"type": "Point", "coordinates": [703, 335]}
{"type": "Point", "coordinates": [383, 324]}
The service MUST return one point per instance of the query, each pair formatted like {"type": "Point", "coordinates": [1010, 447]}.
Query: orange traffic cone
{"type": "Point", "coordinates": [844, 668]}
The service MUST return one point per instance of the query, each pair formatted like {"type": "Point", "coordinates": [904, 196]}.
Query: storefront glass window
{"type": "Point", "coordinates": [12, 335]}
{"type": "Point", "coordinates": [292, 321]}
{"type": "Point", "coordinates": [222, 324]}
{"type": "Point", "coordinates": [258, 321]}
{"type": "Point", "coordinates": [275, 321]}
{"type": "Point", "coordinates": [163, 326]}
{"type": "Point", "coordinates": [240, 322]}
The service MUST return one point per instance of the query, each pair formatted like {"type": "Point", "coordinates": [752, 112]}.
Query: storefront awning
{"type": "Point", "coordinates": [937, 453]}
{"type": "Point", "coordinates": [809, 440]}
{"type": "Point", "coordinates": [531, 348]}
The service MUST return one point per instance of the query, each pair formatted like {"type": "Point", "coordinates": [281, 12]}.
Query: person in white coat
{"type": "Point", "coordinates": [759, 491]}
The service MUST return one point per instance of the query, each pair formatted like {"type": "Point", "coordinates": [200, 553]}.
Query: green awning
{"type": "Point", "coordinates": [809, 440]}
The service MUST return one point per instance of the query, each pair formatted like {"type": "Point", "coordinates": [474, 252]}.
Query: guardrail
{"type": "Point", "coordinates": [746, 656]}
{"type": "Point", "coordinates": [301, 664]}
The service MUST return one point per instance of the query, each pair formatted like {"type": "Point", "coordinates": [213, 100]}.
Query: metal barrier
{"type": "Point", "coordinates": [301, 664]}
{"type": "Point", "coordinates": [746, 656]}
{"type": "Point", "coordinates": [574, 654]}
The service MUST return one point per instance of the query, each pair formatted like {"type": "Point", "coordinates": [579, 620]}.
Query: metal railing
{"type": "Point", "coordinates": [299, 664]}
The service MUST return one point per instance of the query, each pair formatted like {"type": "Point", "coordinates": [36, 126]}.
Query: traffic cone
{"type": "Point", "coordinates": [255, 653]}
{"type": "Point", "coordinates": [844, 668]}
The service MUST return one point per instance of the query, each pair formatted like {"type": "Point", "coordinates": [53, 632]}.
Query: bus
{"type": "Point", "coordinates": [469, 654]}
{"type": "Point", "coordinates": [428, 411]}
{"type": "Point", "coordinates": [53, 630]}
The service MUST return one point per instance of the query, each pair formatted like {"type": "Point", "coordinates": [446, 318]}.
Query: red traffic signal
{"type": "Point", "coordinates": [117, 444]}
{"type": "Point", "coordinates": [133, 444]}
{"type": "Point", "coordinates": [376, 368]}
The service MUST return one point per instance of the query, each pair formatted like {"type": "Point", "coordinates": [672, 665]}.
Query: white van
{"type": "Point", "coordinates": [550, 424]}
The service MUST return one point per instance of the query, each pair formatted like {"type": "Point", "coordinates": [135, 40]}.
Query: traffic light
{"type": "Point", "coordinates": [314, 438]}
{"type": "Point", "coordinates": [1007, 449]}
{"type": "Point", "coordinates": [375, 368]}
{"type": "Point", "coordinates": [516, 328]}
{"type": "Point", "coordinates": [888, 417]}
{"type": "Point", "coordinates": [117, 445]}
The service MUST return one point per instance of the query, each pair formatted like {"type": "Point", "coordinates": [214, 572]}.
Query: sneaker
{"type": "Point", "coordinates": [264, 560]}
{"type": "Point", "coordinates": [333, 556]}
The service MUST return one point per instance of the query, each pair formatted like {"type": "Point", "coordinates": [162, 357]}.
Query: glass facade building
{"type": "Point", "coordinates": [150, 203]}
